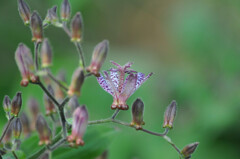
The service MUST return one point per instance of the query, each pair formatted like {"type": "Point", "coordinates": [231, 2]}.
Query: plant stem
{"type": "Point", "coordinates": [65, 28]}
{"type": "Point", "coordinates": [53, 124]}
{"type": "Point", "coordinates": [58, 144]}
{"type": "Point", "coordinates": [80, 51]}
{"type": "Point", "coordinates": [115, 114]}
{"type": "Point", "coordinates": [14, 154]}
{"type": "Point", "coordinates": [5, 130]}
{"type": "Point", "coordinates": [36, 46]}
{"type": "Point", "coordinates": [168, 139]}
{"type": "Point", "coordinates": [57, 81]}
{"type": "Point", "coordinates": [62, 116]}
{"type": "Point", "coordinates": [48, 93]}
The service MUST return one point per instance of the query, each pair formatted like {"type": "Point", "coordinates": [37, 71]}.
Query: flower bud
{"type": "Point", "coordinates": [49, 105]}
{"type": "Point", "coordinates": [189, 150]}
{"type": "Point", "coordinates": [36, 26]}
{"type": "Point", "coordinates": [79, 126]}
{"type": "Point", "coordinates": [33, 106]}
{"type": "Point", "coordinates": [71, 106]}
{"type": "Point", "coordinates": [59, 93]}
{"type": "Point", "coordinates": [46, 54]}
{"type": "Point", "coordinates": [51, 16]}
{"type": "Point", "coordinates": [8, 136]}
{"type": "Point", "coordinates": [43, 130]}
{"type": "Point", "coordinates": [77, 81]}
{"type": "Point", "coordinates": [24, 11]}
{"type": "Point", "coordinates": [26, 125]}
{"type": "Point", "coordinates": [7, 106]}
{"type": "Point", "coordinates": [17, 128]}
{"type": "Point", "coordinates": [24, 59]}
{"type": "Point", "coordinates": [65, 10]}
{"type": "Point", "coordinates": [16, 104]}
{"type": "Point", "coordinates": [169, 115]}
{"type": "Point", "coordinates": [77, 28]}
{"type": "Point", "coordinates": [137, 113]}
{"type": "Point", "coordinates": [98, 57]}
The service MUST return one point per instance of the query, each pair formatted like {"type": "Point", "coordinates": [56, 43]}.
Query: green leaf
{"type": "Point", "coordinates": [97, 140]}
{"type": "Point", "coordinates": [20, 155]}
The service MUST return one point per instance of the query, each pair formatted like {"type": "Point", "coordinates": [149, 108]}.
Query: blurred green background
{"type": "Point", "coordinates": [191, 46]}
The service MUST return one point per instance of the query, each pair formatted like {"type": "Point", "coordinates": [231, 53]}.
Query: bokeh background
{"type": "Point", "coordinates": [191, 46]}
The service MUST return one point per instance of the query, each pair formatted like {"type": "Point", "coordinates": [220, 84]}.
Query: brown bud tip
{"type": "Point", "coordinates": [7, 104]}
{"type": "Point", "coordinates": [16, 104]}
{"type": "Point", "coordinates": [76, 83]}
{"type": "Point", "coordinates": [36, 26]}
{"type": "Point", "coordinates": [17, 128]}
{"type": "Point", "coordinates": [65, 10]}
{"type": "Point", "coordinates": [170, 114]}
{"type": "Point", "coordinates": [98, 57]}
{"type": "Point", "coordinates": [46, 54]}
{"type": "Point", "coordinates": [24, 11]}
{"type": "Point", "coordinates": [189, 149]}
{"type": "Point", "coordinates": [77, 27]}
{"type": "Point", "coordinates": [137, 112]}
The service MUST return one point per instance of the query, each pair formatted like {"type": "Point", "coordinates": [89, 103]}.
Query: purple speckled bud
{"type": "Point", "coordinates": [77, 27]}
{"type": "Point", "coordinates": [170, 114]}
{"type": "Point", "coordinates": [37, 28]}
{"type": "Point", "coordinates": [24, 60]}
{"type": "Point", "coordinates": [51, 16]}
{"type": "Point", "coordinates": [16, 104]}
{"type": "Point", "coordinates": [76, 83]}
{"type": "Point", "coordinates": [26, 124]}
{"type": "Point", "coordinates": [79, 126]}
{"type": "Point", "coordinates": [46, 54]}
{"type": "Point", "coordinates": [189, 150]}
{"type": "Point", "coordinates": [43, 130]}
{"type": "Point", "coordinates": [24, 11]}
{"type": "Point", "coordinates": [65, 10]}
{"type": "Point", "coordinates": [17, 128]}
{"type": "Point", "coordinates": [7, 106]}
{"type": "Point", "coordinates": [137, 113]}
{"type": "Point", "coordinates": [98, 57]}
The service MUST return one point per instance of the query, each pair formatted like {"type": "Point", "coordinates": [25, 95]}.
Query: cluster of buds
{"type": "Point", "coordinates": [49, 105]}
{"type": "Point", "coordinates": [98, 57]}
{"type": "Point", "coordinates": [23, 57]}
{"type": "Point", "coordinates": [79, 126]}
{"type": "Point", "coordinates": [77, 82]}
{"type": "Point", "coordinates": [119, 87]}
{"type": "Point", "coordinates": [43, 130]}
{"type": "Point", "coordinates": [137, 113]}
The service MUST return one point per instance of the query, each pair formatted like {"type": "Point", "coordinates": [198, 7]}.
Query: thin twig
{"type": "Point", "coordinates": [53, 124]}
{"type": "Point", "coordinates": [36, 46]}
{"type": "Point", "coordinates": [48, 93]}
{"type": "Point", "coordinates": [62, 116]}
{"type": "Point", "coordinates": [65, 28]}
{"type": "Point", "coordinates": [58, 144]}
{"type": "Point", "coordinates": [14, 154]}
{"type": "Point", "coordinates": [5, 130]}
{"type": "Point", "coordinates": [57, 81]}
{"type": "Point", "coordinates": [115, 114]}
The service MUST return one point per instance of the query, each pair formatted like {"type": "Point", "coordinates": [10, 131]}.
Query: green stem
{"type": "Point", "coordinates": [57, 81]}
{"type": "Point", "coordinates": [36, 46]}
{"type": "Point", "coordinates": [14, 154]}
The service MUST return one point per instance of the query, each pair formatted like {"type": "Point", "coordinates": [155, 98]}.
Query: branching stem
{"type": "Point", "coordinates": [57, 81]}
